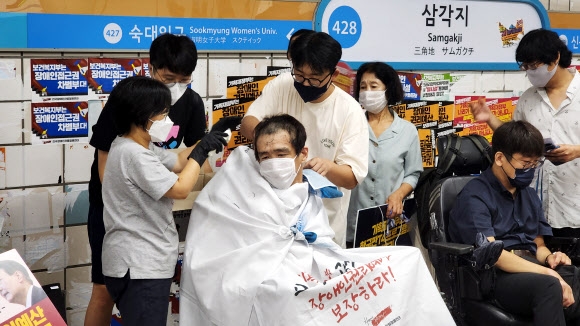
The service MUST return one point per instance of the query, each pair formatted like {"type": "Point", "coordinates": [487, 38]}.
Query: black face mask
{"type": "Point", "coordinates": [523, 178]}
{"type": "Point", "coordinates": [310, 93]}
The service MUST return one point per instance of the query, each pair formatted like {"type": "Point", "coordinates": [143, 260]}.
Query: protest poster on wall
{"type": "Point", "coordinates": [273, 71]}
{"type": "Point", "coordinates": [427, 145]}
{"type": "Point", "coordinates": [107, 72]}
{"type": "Point", "coordinates": [411, 83]}
{"type": "Point", "coordinates": [59, 122]}
{"type": "Point", "coordinates": [246, 87]}
{"type": "Point", "coordinates": [55, 80]}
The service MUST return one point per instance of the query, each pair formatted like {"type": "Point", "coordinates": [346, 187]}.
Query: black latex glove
{"type": "Point", "coordinates": [231, 122]}
{"type": "Point", "coordinates": [214, 140]}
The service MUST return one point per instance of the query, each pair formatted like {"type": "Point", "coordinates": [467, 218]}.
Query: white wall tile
{"type": "Point", "coordinates": [199, 77]}
{"type": "Point", "coordinates": [26, 90]}
{"type": "Point", "coordinates": [45, 278]}
{"type": "Point", "coordinates": [220, 69]}
{"type": "Point", "coordinates": [560, 5]}
{"type": "Point", "coordinates": [14, 166]}
{"type": "Point", "coordinates": [78, 159]}
{"type": "Point", "coordinates": [42, 164]}
{"type": "Point", "coordinates": [516, 81]}
{"type": "Point", "coordinates": [77, 245]}
{"type": "Point", "coordinates": [42, 250]}
{"type": "Point", "coordinates": [78, 294]}
{"type": "Point", "coordinates": [11, 115]}
{"type": "Point", "coordinates": [574, 5]}
{"type": "Point", "coordinates": [32, 210]}
{"type": "Point", "coordinates": [11, 80]}
{"type": "Point", "coordinates": [280, 62]}
{"type": "Point", "coordinates": [255, 66]}
{"type": "Point", "coordinates": [493, 81]}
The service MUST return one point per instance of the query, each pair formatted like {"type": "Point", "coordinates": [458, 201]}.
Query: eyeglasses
{"type": "Point", "coordinates": [162, 119]}
{"type": "Point", "coordinates": [529, 66]}
{"type": "Point", "coordinates": [311, 81]}
{"type": "Point", "coordinates": [526, 166]}
{"type": "Point", "coordinates": [169, 82]}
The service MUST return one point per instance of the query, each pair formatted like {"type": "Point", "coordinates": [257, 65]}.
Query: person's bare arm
{"type": "Point", "coordinates": [248, 124]}
{"type": "Point", "coordinates": [101, 162]}
{"type": "Point", "coordinates": [481, 112]}
{"type": "Point", "coordinates": [340, 175]}
{"type": "Point", "coordinates": [185, 181]}
{"type": "Point", "coordinates": [395, 200]}
{"type": "Point", "coordinates": [511, 263]}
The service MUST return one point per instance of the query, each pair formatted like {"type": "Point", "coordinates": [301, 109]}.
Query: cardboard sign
{"type": "Point", "coordinates": [373, 228]}
{"type": "Point", "coordinates": [15, 307]}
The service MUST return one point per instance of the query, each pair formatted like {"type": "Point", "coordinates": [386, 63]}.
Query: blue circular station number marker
{"type": "Point", "coordinates": [345, 26]}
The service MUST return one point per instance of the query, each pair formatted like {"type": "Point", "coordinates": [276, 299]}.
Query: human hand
{"type": "Point", "coordinates": [480, 110]}
{"type": "Point", "coordinates": [214, 140]}
{"type": "Point", "coordinates": [395, 202]}
{"type": "Point", "coordinates": [320, 165]}
{"type": "Point", "coordinates": [557, 258]}
{"type": "Point", "coordinates": [564, 153]}
{"type": "Point", "coordinates": [232, 122]}
{"type": "Point", "coordinates": [567, 294]}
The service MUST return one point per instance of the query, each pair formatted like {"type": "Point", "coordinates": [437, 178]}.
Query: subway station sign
{"type": "Point", "coordinates": [433, 35]}
{"type": "Point", "coordinates": [94, 32]}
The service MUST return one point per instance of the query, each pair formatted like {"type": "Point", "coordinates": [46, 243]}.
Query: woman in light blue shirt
{"type": "Point", "coordinates": [394, 154]}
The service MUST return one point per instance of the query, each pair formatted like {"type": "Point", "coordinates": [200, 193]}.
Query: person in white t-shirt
{"type": "Point", "coordinates": [552, 105]}
{"type": "Point", "coordinates": [335, 123]}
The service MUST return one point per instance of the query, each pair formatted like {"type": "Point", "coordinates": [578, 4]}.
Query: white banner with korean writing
{"type": "Point", "coordinates": [246, 262]}
{"type": "Point", "coordinates": [451, 34]}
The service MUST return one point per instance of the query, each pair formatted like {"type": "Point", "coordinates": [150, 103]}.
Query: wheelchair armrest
{"type": "Point", "coordinates": [456, 249]}
{"type": "Point", "coordinates": [558, 241]}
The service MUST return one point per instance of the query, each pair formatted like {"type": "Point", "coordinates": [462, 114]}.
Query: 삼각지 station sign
{"type": "Point", "coordinates": [434, 35]}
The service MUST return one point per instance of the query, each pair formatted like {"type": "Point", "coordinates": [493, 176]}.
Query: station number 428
{"type": "Point", "coordinates": [344, 27]}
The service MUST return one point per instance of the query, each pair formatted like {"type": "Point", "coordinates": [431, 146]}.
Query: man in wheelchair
{"type": "Point", "coordinates": [529, 279]}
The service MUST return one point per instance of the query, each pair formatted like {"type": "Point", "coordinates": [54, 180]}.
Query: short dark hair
{"type": "Point", "coordinates": [176, 53]}
{"type": "Point", "coordinates": [385, 74]}
{"type": "Point", "coordinates": [295, 36]}
{"type": "Point", "coordinates": [281, 122]}
{"type": "Point", "coordinates": [136, 100]}
{"type": "Point", "coordinates": [542, 45]}
{"type": "Point", "coordinates": [317, 50]}
{"type": "Point", "coordinates": [11, 267]}
{"type": "Point", "coordinates": [518, 136]}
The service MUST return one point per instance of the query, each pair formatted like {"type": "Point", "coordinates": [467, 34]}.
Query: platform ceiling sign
{"type": "Point", "coordinates": [96, 32]}
{"type": "Point", "coordinates": [431, 35]}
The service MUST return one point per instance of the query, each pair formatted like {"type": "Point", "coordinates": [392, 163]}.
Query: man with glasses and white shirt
{"type": "Point", "coordinates": [552, 105]}
{"type": "Point", "coordinates": [334, 121]}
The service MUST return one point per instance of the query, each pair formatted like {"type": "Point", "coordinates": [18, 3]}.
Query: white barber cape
{"type": "Point", "coordinates": [247, 262]}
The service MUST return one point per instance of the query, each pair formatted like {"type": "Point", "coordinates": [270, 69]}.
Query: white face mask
{"type": "Point", "coordinates": [160, 129]}
{"type": "Point", "coordinates": [373, 101]}
{"type": "Point", "coordinates": [177, 91]}
{"type": "Point", "coordinates": [540, 76]}
{"type": "Point", "coordinates": [279, 172]}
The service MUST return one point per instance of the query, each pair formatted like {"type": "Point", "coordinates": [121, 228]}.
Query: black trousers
{"type": "Point", "coordinates": [142, 301]}
{"type": "Point", "coordinates": [530, 294]}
